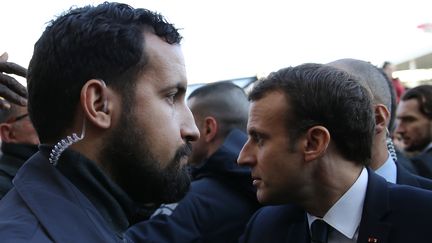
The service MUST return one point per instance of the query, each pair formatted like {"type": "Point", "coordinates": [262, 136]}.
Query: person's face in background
{"type": "Point", "coordinates": [18, 128]}
{"type": "Point", "coordinates": [199, 147]}
{"type": "Point", "coordinates": [149, 146]}
{"type": "Point", "coordinates": [414, 128]}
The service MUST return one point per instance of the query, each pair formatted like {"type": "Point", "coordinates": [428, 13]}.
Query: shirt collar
{"type": "Point", "coordinates": [427, 148]}
{"type": "Point", "coordinates": [345, 215]}
{"type": "Point", "coordinates": [388, 170]}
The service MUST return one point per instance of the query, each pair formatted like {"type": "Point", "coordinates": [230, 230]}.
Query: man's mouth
{"type": "Point", "coordinates": [256, 181]}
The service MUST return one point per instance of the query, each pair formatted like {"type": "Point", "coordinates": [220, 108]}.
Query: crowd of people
{"type": "Point", "coordinates": [104, 146]}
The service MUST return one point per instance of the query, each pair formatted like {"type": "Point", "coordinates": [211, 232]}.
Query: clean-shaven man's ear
{"type": "Point", "coordinates": [382, 118]}
{"type": "Point", "coordinates": [317, 140]}
{"type": "Point", "coordinates": [211, 128]}
{"type": "Point", "coordinates": [6, 133]}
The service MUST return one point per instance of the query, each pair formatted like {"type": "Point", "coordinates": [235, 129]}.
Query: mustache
{"type": "Point", "coordinates": [183, 151]}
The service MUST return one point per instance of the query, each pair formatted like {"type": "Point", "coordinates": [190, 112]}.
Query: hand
{"type": "Point", "coordinates": [10, 89]}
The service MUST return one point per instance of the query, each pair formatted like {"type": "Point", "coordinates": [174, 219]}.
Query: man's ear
{"type": "Point", "coordinates": [210, 128]}
{"type": "Point", "coordinates": [6, 133]}
{"type": "Point", "coordinates": [382, 118]}
{"type": "Point", "coordinates": [316, 142]}
{"type": "Point", "coordinates": [95, 103]}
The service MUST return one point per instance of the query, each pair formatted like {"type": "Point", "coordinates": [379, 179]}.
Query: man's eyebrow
{"type": "Point", "coordinates": [254, 132]}
{"type": "Point", "coordinates": [179, 86]}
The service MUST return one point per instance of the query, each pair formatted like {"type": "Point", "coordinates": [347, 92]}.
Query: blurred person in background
{"type": "Point", "coordinates": [19, 142]}
{"type": "Point", "coordinates": [388, 69]}
{"type": "Point", "coordinates": [414, 127]}
{"type": "Point", "coordinates": [384, 160]}
{"type": "Point", "coordinates": [19, 139]}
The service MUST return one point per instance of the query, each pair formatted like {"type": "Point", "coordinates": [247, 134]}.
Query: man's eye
{"type": "Point", "coordinates": [171, 97]}
{"type": "Point", "coordinates": [257, 139]}
{"type": "Point", "coordinates": [260, 141]}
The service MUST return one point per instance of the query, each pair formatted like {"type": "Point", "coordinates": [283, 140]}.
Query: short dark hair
{"type": "Point", "coordinates": [393, 96]}
{"type": "Point", "coordinates": [374, 79]}
{"type": "Point", "coordinates": [326, 96]}
{"type": "Point", "coordinates": [386, 64]}
{"type": "Point", "coordinates": [423, 95]}
{"type": "Point", "coordinates": [92, 42]}
{"type": "Point", "coordinates": [226, 102]}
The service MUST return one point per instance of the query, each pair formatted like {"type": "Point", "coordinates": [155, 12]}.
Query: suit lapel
{"type": "Point", "coordinates": [403, 177]}
{"type": "Point", "coordinates": [375, 208]}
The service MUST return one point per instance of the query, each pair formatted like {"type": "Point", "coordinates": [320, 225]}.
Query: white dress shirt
{"type": "Point", "coordinates": [345, 215]}
{"type": "Point", "coordinates": [388, 170]}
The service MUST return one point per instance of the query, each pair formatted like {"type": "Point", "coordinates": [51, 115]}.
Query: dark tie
{"type": "Point", "coordinates": [319, 231]}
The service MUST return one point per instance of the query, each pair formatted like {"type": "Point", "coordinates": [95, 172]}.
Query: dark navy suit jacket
{"type": "Point", "coordinates": [404, 177]}
{"type": "Point", "coordinates": [423, 164]}
{"type": "Point", "coordinates": [391, 214]}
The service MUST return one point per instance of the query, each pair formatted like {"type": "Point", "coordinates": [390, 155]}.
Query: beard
{"type": "Point", "coordinates": [128, 157]}
{"type": "Point", "coordinates": [419, 146]}
{"type": "Point", "coordinates": [421, 143]}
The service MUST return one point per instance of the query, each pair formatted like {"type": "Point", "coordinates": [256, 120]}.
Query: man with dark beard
{"type": "Point", "coordinates": [106, 90]}
{"type": "Point", "coordinates": [221, 198]}
{"type": "Point", "coordinates": [414, 127]}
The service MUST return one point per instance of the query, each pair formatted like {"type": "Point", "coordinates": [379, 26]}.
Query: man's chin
{"type": "Point", "coordinates": [413, 149]}
{"type": "Point", "coordinates": [177, 195]}
{"type": "Point", "coordinates": [184, 161]}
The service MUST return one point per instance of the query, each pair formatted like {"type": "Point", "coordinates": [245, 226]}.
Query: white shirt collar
{"type": "Point", "coordinates": [388, 170]}
{"type": "Point", "coordinates": [427, 148]}
{"type": "Point", "coordinates": [345, 214]}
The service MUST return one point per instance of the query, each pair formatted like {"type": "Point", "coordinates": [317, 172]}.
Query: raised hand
{"type": "Point", "coordinates": [10, 89]}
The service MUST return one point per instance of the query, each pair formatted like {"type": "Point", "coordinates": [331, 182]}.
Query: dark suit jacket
{"type": "Point", "coordinates": [405, 162]}
{"type": "Point", "coordinates": [423, 164]}
{"type": "Point", "coordinates": [391, 214]}
{"type": "Point", "coordinates": [404, 177]}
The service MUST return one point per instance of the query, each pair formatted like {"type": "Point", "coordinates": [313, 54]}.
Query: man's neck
{"type": "Point", "coordinates": [110, 200]}
{"type": "Point", "coordinates": [332, 181]}
{"type": "Point", "coordinates": [379, 156]}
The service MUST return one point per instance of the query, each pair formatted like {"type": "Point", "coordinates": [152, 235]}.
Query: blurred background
{"type": "Point", "coordinates": [244, 40]}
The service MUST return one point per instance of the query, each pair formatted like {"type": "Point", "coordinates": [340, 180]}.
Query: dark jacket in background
{"type": "Point", "coordinates": [405, 162]}
{"type": "Point", "coordinates": [404, 177]}
{"type": "Point", "coordinates": [423, 164]}
{"type": "Point", "coordinates": [12, 158]}
{"type": "Point", "coordinates": [217, 207]}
